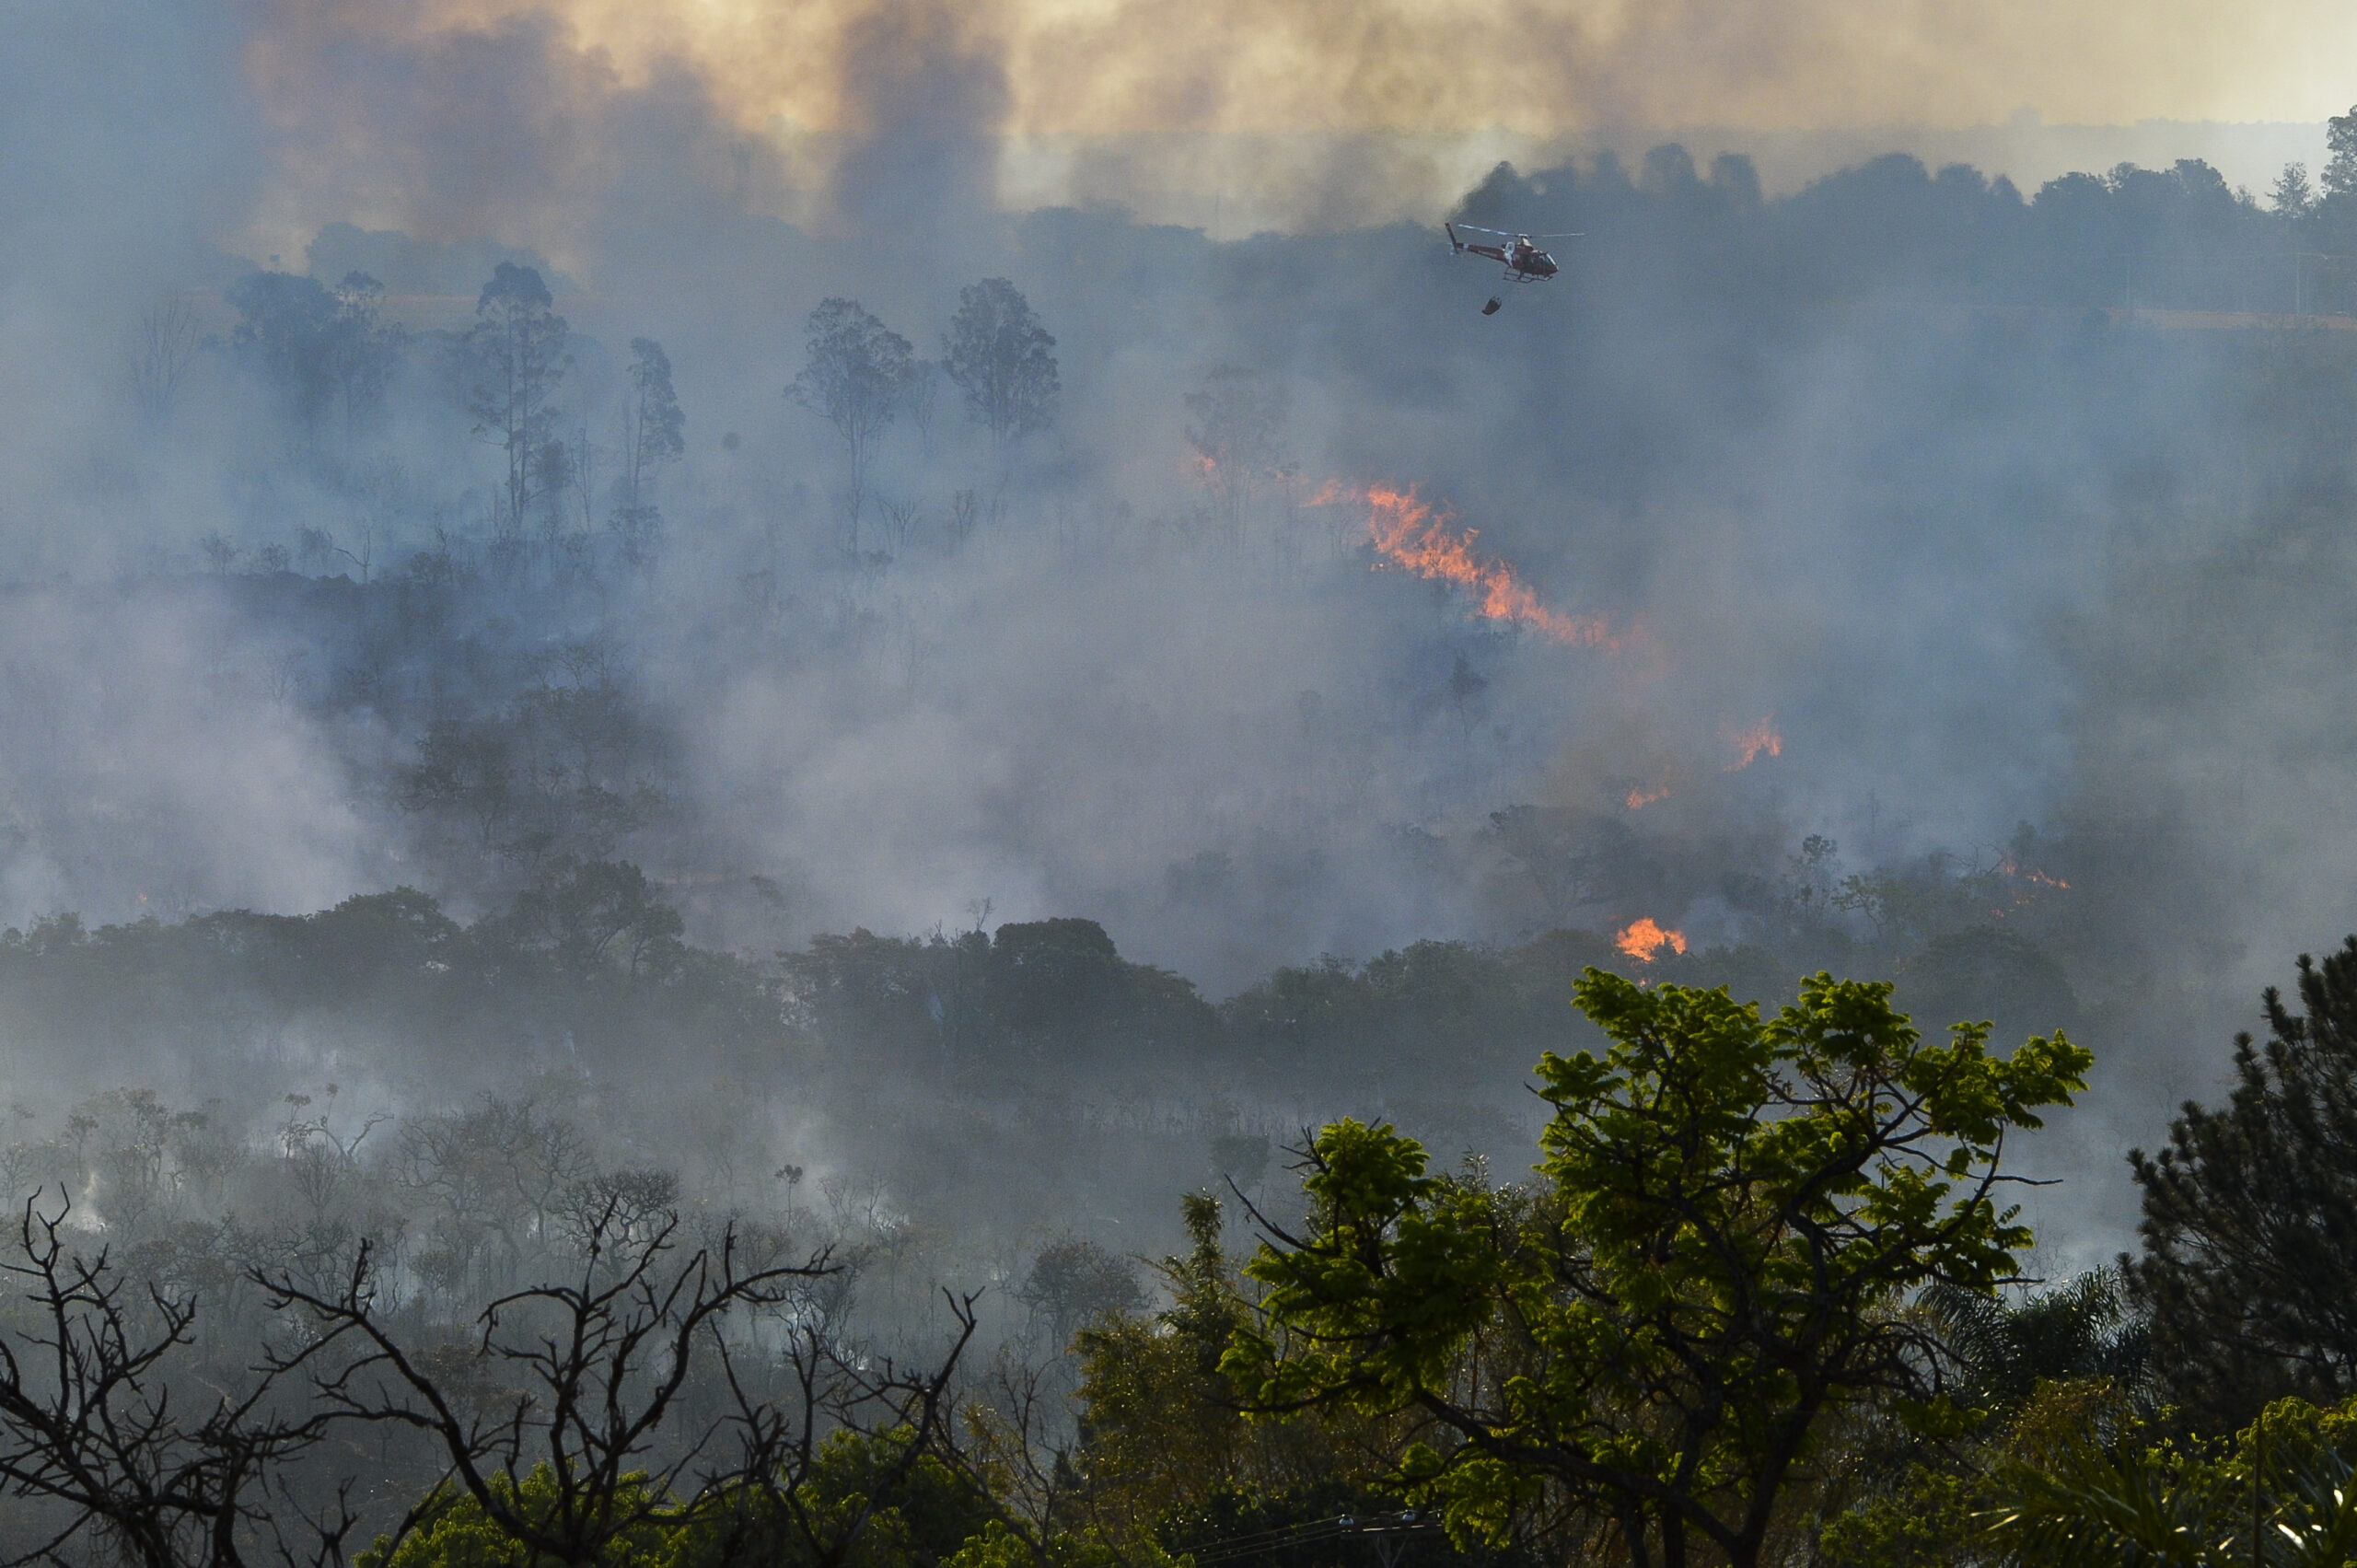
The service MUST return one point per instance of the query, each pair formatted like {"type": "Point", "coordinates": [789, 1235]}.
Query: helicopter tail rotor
{"type": "Point", "coordinates": [1455, 245]}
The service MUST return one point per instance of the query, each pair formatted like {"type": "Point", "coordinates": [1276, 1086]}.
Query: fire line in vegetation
{"type": "Point", "coordinates": [1418, 537]}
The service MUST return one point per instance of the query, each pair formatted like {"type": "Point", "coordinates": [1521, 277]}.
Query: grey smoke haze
{"type": "Point", "coordinates": [1233, 183]}
{"type": "Point", "coordinates": [1977, 572]}
{"type": "Point", "coordinates": [156, 764]}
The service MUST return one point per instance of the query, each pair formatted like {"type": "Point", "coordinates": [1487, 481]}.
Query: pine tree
{"type": "Point", "coordinates": [2249, 1270]}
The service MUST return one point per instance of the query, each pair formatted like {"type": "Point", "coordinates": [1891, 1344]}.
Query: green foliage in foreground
{"type": "Point", "coordinates": [846, 1513]}
{"type": "Point", "coordinates": [1749, 1311]}
{"type": "Point", "coordinates": [1733, 1217]}
{"type": "Point", "coordinates": [1753, 1309]}
{"type": "Point", "coordinates": [2081, 1480]}
{"type": "Point", "coordinates": [455, 1531]}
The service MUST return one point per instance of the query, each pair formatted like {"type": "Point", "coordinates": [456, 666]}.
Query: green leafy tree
{"type": "Point", "coordinates": [455, 1530]}
{"type": "Point", "coordinates": [999, 356]}
{"type": "Point", "coordinates": [2050, 1376]}
{"type": "Point", "coordinates": [863, 1501]}
{"type": "Point", "coordinates": [2283, 1495]}
{"type": "Point", "coordinates": [1168, 1459]}
{"type": "Point", "coordinates": [1735, 1216]}
{"type": "Point", "coordinates": [1936, 1512]}
{"type": "Point", "coordinates": [2249, 1264]}
{"type": "Point", "coordinates": [1164, 1428]}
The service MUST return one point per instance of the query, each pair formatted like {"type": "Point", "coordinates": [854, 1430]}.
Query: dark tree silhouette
{"type": "Point", "coordinates": [361, 348]}
{"type": "Point", "coordinates": [571, 1463]}
{"type": "Point", "coordinates": [93, 1429]}
{"type": "Point", "coordinates": [2250, 1267]}
{"type": "Point", "coordinates": [857, 378]}
{"type": "Point", "coordinates": [600, 1362]}
{"type": "Point", "coordinates": [998, 355]}
{"type": "Point", "coordinates": [316, 347]}
{"type": "Point", "coordinates": [654, 435]}
{"type": "Point", "coordinates": [2004, 1350]}
{"type": "Point", "coordinates": [285, 329]}
{"type": "Point", "coordinates": [2340, 177]}
{"type": "Point", "coordinates": [2289, 196]}
{"type": "Point", "coordinates": [467, 768]}
{"type": "Point", "coordinates": [163, 354]}
{"type": "Point", "coordinates": [513, 358]}
{"type": "Point", "coordinates": [1074, 1281]}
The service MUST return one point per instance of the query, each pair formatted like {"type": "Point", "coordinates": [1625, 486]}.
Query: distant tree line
{"type": "Point", "coordinates": [2170, 238]}
{"type": "Point", "coordinates": [861, 376]}
{"type": "Point", "coordinates": [329, 360]}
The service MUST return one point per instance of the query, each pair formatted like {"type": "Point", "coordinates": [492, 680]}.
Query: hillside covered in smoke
{"type": "Point", "coordinates": [1911, 477]}
{"type": "Point", "coordinates": [443, 459]}
{"type": "Point", "coordinates": [711, 772]}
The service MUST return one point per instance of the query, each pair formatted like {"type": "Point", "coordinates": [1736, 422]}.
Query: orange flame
{"type": "Point", "coordinates": [1410, 534]}
{"type": "Point", "coordinates": [1761, 736]}
{"type": "Point", "coordinates": [1645, 939]}
{"type": "Point", "coordinates": [2009, 866]}
{"type": "Point", "coordinates": [1640, 798]}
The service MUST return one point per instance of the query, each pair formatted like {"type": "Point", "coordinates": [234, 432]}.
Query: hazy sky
{"type": "Point", "coordinates": [461, 118]}
{"type": "Point", "coordinates": [1110, 66]}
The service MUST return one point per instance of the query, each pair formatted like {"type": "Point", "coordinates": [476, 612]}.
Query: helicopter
{"type": "Point", "coordinates": [1523, 261]}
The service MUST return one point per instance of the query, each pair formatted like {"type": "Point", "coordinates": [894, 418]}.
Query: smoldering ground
{"type": "Point", "coordinates": [1877, 466]}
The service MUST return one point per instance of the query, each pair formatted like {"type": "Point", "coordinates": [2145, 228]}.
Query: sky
{"type": "Point", "coordinates": [1105, 67]}
{"type": "Point", "coordinates": [1234, 115]}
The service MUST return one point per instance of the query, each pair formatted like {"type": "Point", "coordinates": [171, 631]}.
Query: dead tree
{"type": "Point", "coordinates": [566, 1387]}
{"type": "Point", "coordinates": [764, 1506]}
{"type": "Point", "coordinates": [92, 1425]}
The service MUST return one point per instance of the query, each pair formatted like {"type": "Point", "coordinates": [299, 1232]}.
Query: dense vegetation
{"type": "Point", "coordinates": [1761, 1300]}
